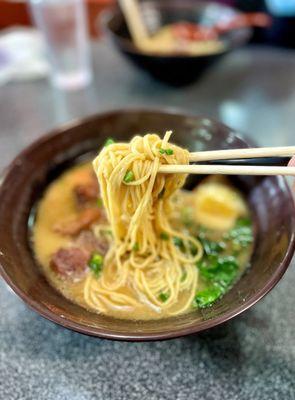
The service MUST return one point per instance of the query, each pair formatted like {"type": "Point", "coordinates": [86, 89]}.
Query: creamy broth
{"type": "Point", "coordinates": [59, 203]}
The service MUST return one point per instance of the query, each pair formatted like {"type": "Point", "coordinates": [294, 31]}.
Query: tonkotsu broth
{"type": "Point", "coordinates": [58, 203]}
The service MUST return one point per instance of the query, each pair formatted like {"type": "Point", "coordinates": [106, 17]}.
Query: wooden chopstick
{"type": "Point", "coordinates": [136, 25]}
{"type": "Point", "coordinates": [242, 153]}
{"type": "Point", "coordinates": [226, 170]}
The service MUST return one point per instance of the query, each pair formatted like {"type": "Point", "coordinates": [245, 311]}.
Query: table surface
{"type": "Point", "coordinates": [250, 357]}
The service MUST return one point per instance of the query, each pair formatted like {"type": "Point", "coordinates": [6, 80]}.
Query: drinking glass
{"type": "Point", "coordinates": [64, 27]}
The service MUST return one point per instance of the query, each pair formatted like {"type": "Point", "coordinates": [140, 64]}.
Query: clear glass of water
{"type": "Point", "coordinates": [64, 27]}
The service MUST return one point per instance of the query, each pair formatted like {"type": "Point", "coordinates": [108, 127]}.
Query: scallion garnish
{"type": "Point", "coordinates": [99, 202]}
{"type": "Point", "coordinates": [95, 263]}
{"type": "Point", "coordinates": [164, 236]}
{"type": "Point", "coordinates": [135, 247]}
{"type": "Point", "coordinates": [129, 177]}
{"type": "Point", "coordinates": [178, 243]}
{"type": "Point", "coordinates": [183, 276]}
{"type": "Point", "coordinates": [207, 296]}
{"type": "Point", "coordinates": [108, 142]}
{"type": "Point", "coordinates": [168, 152]}
{"type": "Point", "coordinates": [163, 297]}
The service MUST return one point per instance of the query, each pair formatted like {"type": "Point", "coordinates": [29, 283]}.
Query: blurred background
{"type": "Point", "coordinates": [16, 12]}
{"type": "Point", "coordinates": [61, 60]}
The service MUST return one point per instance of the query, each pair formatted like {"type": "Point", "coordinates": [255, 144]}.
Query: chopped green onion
{"type": "Point", "coordinates": [168, 152]}
{"type": "Point", "coordinates": [163, 297]}
{"type": "Point", "coordinates": [202, 232]}
{"type": "Point", "coordinates": [241, 234]}
{"type": "Point", "coordinates": [135, 247]}
{"type": "Point", "coordinates": [211, 247]}
{"type": "Point", "coordinates": [95, 263]}
{"type": "Point", "coordinates": [99, 202]}
{"type": "Point", "coordinates": [178, 243]}
{"type": "Point", "coordinates": [129, 177]}
{"type": "Point", "coordinates": [108, 142]}
{"type": "Point", "coordinates": [187, 216]}
{"type": "Point", "coordinates": [207, 296]}
{"type": "Point", "coordinates": [164, 236]}
{"type": "Point", "coordinates": [193, 249]}
{"type": "Point", "coordinates": [219, 270]}
{"type": "Point", "coordinates": [183, 276]}
{"type": "Point", "coordinates": [243, 222]}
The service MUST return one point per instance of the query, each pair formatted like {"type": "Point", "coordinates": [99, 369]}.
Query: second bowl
{"type": "Point", "coordinates": [174, 69]}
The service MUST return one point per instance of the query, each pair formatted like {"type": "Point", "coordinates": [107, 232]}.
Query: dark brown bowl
{"type": "Point", "coordinates": [28, 175]}
{"type": "Point", "coordinates": [174, 69]}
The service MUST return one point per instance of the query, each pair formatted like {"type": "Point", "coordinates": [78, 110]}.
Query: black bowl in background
{"type": "Point", "coordinates": [174, 69]}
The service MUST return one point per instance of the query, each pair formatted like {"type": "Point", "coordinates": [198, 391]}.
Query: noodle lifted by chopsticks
{"type": "Point", "coordinates": [144, 265]}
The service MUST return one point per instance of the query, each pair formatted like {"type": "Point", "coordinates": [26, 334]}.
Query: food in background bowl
{"type": "Point", "coordinates": [184, 38]}
{"type": "Point", "coordinates": [199, 39]}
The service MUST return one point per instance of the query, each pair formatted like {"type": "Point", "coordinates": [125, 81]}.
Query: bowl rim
{"type": "Point", "coordinates": [104, 19]}
{"type": "Point", "coordinates": [133, 337]}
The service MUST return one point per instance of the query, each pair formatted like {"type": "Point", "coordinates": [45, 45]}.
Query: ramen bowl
{"type": "Point", "coordinates": [25, 180]}
{"type": "Point", "coordinates": [174, 69]}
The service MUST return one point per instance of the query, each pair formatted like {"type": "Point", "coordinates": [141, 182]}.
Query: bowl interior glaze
{"type": "Point", "coordinates": [28, 175]}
